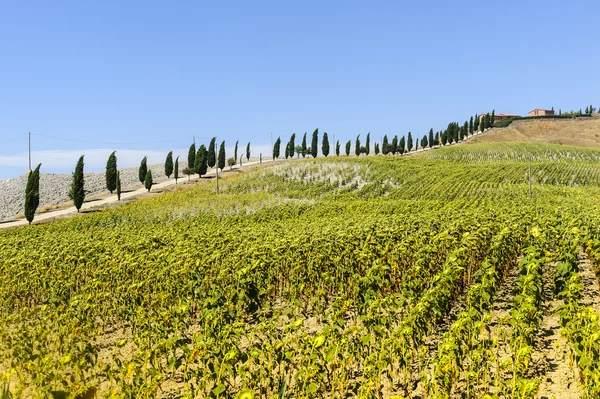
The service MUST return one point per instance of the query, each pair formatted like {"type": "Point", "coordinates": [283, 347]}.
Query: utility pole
{"type": "Point", "coordinates": [29, 136]}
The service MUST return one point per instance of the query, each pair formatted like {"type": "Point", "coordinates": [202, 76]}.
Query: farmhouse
{"type": "Point", "coordinates": [541, 112]}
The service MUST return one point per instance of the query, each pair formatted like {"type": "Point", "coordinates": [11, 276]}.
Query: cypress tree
{"type": "Point", "coordinates": [471, 126]}
{"type": "Point", "coordinates": [176, 170]}
{"type": "Point", "coordinates": [191, 158]}
{"type": "Point", "coordinates": [201, 162]}
{"type": "Point", "coordinates": [315, 143]}
{"type": "Point", "coordinates": [492, 117]}
{"type": "Point", "coordinates": [385, 147]}
{"type": "Point", "coordinates": [466, 128]}
{"type": "Point", "coordinates": [211, 157]}
{"type": "Point", "coordinates": [425, 142]}
{"type": "Point", "coordinates": [111, 172]}
{"type": "Point", "coordinates": [235, 150]}
{"type": "Point", "coordinates": [401, 145]}
{"type": "Point", "coordinates": [482, 123]}
{"type": "Point", "coordinates": [587, 110]}
{"type": "Point", "coordinates": [348, 144]}
{"type": "Point", "coordinates": [77, 193]}
{"type": "Point", "coordinates": [248, 152]}
{"type": "Point", "coordinates": [376, 149]}
{"type": "Point", "coordinates": [32, 193]}
{"type": "Point", "coordinates": [169, 164]}
{"type": "Point", "coordinates": [325, 145]}
{"type": "Point", "coordinates": [488, 121]}
{"type": "Point", "coordinates": [337, 148]}
{"type": "Point", "coordinates": [368, 143]}
{"type": "Point", "coordinates": [221, 160]}
{"type": "Point", "coordinates": [118, 186]}
{"type": "Point", "coordinates": [430, 141]}
{"type": "Point", "coordinates": [436, 141]}
{"type": "Point", "coordinates": [476, 123]}
{"type": "Point", "coordinates": [148, 181]}
{"type": "Point", "coordinates": [142, 170]}
{"type": "Point", "coordinates": [276, 148]}
{"type": "Point", "coordinates": [417, 144]}
{"type": "Point", "coordinates": [292, 145]}
{"type": "Point", "coordinates": [444, 137]}
{"type": "Point", "coordinates": [394, 147]}
{"type": "Point", "coordinates": [357, 146]}
{"type": "Point", "coordinates": [304, 152]}
{"type": "Point", "coordinates": [409, 142]}
{"type": "Point", "coordinates": [461, 133]}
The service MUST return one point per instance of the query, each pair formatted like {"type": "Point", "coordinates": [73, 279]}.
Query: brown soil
{"type": "Point", "coordinates": [584, 132]}
{"type": "Point", "coordinates": [550, 359]}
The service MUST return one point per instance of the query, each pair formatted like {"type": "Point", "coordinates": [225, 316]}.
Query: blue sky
{"type": "Point", "coordinates": [146, 71]}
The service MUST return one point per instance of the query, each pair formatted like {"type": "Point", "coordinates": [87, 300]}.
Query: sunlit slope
{"type": "Point", "coordinates": [584, 132]}
{"type": "Point", "coordinates": [297, 275]}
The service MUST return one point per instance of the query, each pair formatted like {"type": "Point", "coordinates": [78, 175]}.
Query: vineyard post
{"type": "Point", "coordinates": [529, 172]}
{"type": "Point", "coordinates": [217, 170]}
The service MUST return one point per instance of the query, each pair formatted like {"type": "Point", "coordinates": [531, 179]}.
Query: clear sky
{"type": "Point", "coordinates": [146, 71]}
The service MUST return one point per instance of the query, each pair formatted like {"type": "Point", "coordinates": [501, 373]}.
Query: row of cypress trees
{"type": "Point", "coordinates": [452, 134]}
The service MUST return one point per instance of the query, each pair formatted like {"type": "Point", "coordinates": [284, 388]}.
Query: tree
{"type": "Point", "coordinates": [325, 145]}
{"type": "Point", "coordinates": [292, 145]}
{"type": "Point", "coordinates": [32, 193]}
{"type": "Point", "coordinates": [476, 123]}
{"type": "Point", "coordinates": [235, 150]}
{"type": "Point", "coordinates": [466, 128]}
{"type": "Point", "coordinates": [436, 140]}
{"type": "Point", "coordinates": [368, 143]}
{"type": "Point", "coordinates": [148, 182]}
{"type": "Point", "coordinates": [176, 170]}
{"type": "Point", "coordinates": [482, 123]}
{"type": "Point", "coordinates": [276, 148]}
{"type": "Point", "coordinates": [357, 146]}
{"type": "Point", "coordinates": [488, 121]}
{"type": "Point", "coordinates": [376, 149]}
{"type": "Point", "coordinates": [401, 144]}
{"type": "Point", "coordinates": [118, 186]}
{"type": "Point", "coordinates": [201, 161]}
{"type": "Point", "coordinates": [230, 163]}
{"type": "Point", "coordinates": [111, 172]}
{"type": "Point", "coordinates": [221, 161]}
{"type": "Point", "coordinates": [191, 158]}
{"type": "Point", "coordinates": [77, 193]}
{"type": "Point", "coordinates": [304, 152]}
{"type": "Point", "coordinates": [385, 147]}
{"type": "Point", "coordinates": [169, 164]}
{"type": "Point", "coordinates": [315, 143]}
{"type": "Point", "coordinates": [471, 126]}
{"type": "Point", "coordinates": [211, 157]}
{"type": "Point", "coordinates": [430, 140]}
{"type": "Point", "coordinates": [337, 148]}
{"type": "Point", "coordinates": [587, 110]}
{"type": "Point", "coordinates": [394, 146]}
{"type": "Point", "coordinates": [424, 142]}
{"type": "Point", "coordinates": [298, 150]}
{"type": "Point", "coordinates": [492, 117]}
{"type": "Point", "coordinates": [248, 152]}
{"type": "Point", "coordinates": [143, 170]}
{"type": "Point", "coordinates": [444, 137]}
{"type": "Point", "coordinates": [348, 144]}
{"type": "Point", "coordinates": [409, 142]}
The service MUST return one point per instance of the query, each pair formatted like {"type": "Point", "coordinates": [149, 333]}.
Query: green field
{"type": "Point", "coordinates": [371, 277]}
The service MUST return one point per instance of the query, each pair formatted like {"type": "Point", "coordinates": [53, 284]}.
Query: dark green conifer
{"type": "Point", "coordinates": [77, 192]}
{"type": "Point", "coordinates": [32, 193]}
{"type": "Point", "coordinates": [221, 160]}
{"type": "Point", "coordinates": [111, 172]}
{"type": "Point", "coordinates": [148, 181]}
{"type": "Point", "coordinates": [169, 164]}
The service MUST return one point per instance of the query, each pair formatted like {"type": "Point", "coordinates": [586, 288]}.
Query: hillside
{"type": "Point", "coordinates": [583, 132]}
{"type": "Point", "coordinates": [370, 277]}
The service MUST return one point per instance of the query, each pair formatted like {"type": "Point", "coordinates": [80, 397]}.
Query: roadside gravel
{"type": "Point", "coordinates": [54, 188]}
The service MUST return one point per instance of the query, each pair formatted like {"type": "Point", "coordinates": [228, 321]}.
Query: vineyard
{"type": "Point", "coordinates": [433, 276]}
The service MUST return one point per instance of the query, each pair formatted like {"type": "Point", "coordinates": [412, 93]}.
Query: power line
{"type": "Point", "coordinates": [13, 139]}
